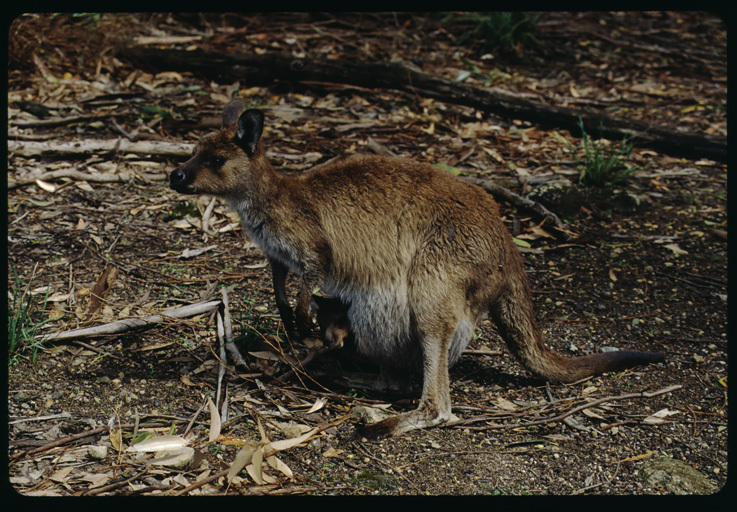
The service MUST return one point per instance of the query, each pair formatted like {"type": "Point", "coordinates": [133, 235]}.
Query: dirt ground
{"type": "Point", "coordinates": [649, 278]}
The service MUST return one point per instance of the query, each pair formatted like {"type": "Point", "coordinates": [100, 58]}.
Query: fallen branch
{"type": "Point", "coordinates": [517, 200]}
{"type": "Point", "coordinates": [264, 69]}
{"type": "Point", "coordinates": [71, 174]}
{"type": "Point", "coordinates": [87, 147]}
{"type": "Point", "coordinates": [58, 121]}
{"type": "Point", "coordinates": [128, 324]}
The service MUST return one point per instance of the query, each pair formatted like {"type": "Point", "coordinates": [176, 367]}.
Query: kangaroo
{"type": "Point", "coordinates": [419, 254]}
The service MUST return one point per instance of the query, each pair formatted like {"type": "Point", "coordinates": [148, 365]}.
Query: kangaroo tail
{"type": "Point", "coordinates": [557, 368]}
{"type": "Point", "coordinates": [514, 317]}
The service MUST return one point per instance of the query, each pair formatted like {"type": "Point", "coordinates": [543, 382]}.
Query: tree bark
{"type": "Point", "coordinates": [266, 68]}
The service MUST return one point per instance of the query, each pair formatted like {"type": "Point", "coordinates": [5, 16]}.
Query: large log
{"type": "Point", "coordinates": [263, 69]}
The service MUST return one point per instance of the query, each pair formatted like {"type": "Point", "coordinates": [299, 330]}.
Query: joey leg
{"type": "Point", "coordinates": [302, 308]}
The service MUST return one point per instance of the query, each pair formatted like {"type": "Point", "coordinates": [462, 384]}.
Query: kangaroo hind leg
{"type": "Point", "coordinates": [435, 333]}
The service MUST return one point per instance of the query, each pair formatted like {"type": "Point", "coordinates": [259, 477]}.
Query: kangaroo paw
{"type": "Point", "coordinates": [375, 431]}
{"type": "Point", "coordinates": [419, 418]}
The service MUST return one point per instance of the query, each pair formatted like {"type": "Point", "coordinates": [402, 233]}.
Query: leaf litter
{"type": "Point", "coordinates": [284, 436]}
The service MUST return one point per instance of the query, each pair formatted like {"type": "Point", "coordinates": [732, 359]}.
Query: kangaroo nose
{"type": "Point", "coordinates": [177, 178]}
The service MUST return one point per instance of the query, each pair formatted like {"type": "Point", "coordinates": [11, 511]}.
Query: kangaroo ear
{"type": "Point", "coordinates": [232, 111]}
{"type": "Point", "coordinates": [250, 126]}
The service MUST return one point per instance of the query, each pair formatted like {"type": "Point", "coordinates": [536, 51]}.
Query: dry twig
{"type": "Point", "coordinates": [563, 415]}
{"type": "Point", "coordinates": [127, 324]}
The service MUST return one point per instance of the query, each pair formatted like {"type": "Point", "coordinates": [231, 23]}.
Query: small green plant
{"type": "Point", "coordinates": [23, 326]}
{"type": "Point", "coordinates": [156, 113]}
{"type": "Point", "coordinates": [499, 30]}
{"type": "Point", "coordinates": [599, 163]}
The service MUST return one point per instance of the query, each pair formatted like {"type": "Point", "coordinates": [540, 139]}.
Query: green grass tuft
{"type": "Point", "coordinates": [600, 163]}
{"type": "Point", "coordinates": [25, 319]}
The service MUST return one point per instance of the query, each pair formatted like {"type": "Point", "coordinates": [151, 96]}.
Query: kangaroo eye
{"type": "Point", "coordinates": [216, 161]}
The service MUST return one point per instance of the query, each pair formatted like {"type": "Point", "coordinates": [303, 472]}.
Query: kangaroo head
{"type": "Point", "coordinates": [223, 162]}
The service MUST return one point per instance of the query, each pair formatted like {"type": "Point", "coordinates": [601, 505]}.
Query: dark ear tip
{"type": "Point", "coordinates": [255, 114]}
{"type": "Point", "coordinates": [232, 110]}
{"type": "Point", "coordinates": [235, 102]}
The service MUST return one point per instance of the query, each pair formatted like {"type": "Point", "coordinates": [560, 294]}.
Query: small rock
{"type": "Point", "coordinates": [98, 452]}
{"type": "Point", "coordinates": [676, 477]}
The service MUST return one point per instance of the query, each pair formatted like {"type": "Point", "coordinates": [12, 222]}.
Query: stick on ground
{"type": "Point", "coordinates": [128, 324]}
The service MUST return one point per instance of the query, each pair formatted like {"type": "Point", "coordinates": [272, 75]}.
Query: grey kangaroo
{"type": "Point", "coordinates": [418, 254]}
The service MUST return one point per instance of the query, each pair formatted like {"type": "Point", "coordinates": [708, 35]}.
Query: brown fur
{"type": "Point", "coordinates": [418, 253]}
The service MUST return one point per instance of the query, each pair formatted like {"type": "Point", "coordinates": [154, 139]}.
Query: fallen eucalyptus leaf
{"type": "Point", "coordinates": [214, 420]}
{"type": "Point", "coordinates": [659, 417]}
{"type": "Point", "coordinates": [159, 443]}
{"type": "Point", "coordinates": [242, 458]}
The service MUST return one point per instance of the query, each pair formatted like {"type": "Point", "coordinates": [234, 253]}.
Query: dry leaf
{"type": "Point", "coordinates": [187, 381]}
{"type": "Point", "coordinates": [83, 185]}
{"type": "Point", "coordinates": [180, 458]}
{"type": "Point", "coordinates": [677, 251]}
{"type": "Point", "coordinates": [277, 464]}
{"type": "Point", "coordinates": [181, 480]}
{"type": "Point", "coordinates": [332, 452]}
{"type": "Point", "coordinates": [242, 458]}
{"type": "Point", "coordinates": [265, 354]}
{"type": "Point", "coordinates": [256, 469]}
{"type": "Point", "coordinates": [591, 413]}
{"type": "Point", "coordinates": [645, 455]}
{"type": "Point", "coordinates": [116, 439]}
{"type": "Point", "coordinates": [62, 474]}
{"type": "Point", "coordinates": [659, 417]}
{"type": "Point", "coordinates": [187, 253]}
{"type": "Point", "coordinates": [186, 224]}
{"type": "Point", "coordinates": [541, 232]}
{"type": "Point", "coordinates": [289, 443]}
{"type": "Point", "coordinates": [256, 265]}
{"type": "Point", "coordinates": [48, 187]}
{"type": "Point", "coordinates": [97, 479]}
{"type": "Point", "coordinates": [214, 420]}
{"type": "Point", "coordinates": [319, 404]}
{"type": "Point", "coordinates": [159, 443]}
{"type": "Point", "coordinates": [505, 404]}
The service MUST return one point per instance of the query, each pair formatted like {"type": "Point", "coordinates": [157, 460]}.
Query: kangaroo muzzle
{"type": "Point", "coordinates": [180, 181]}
